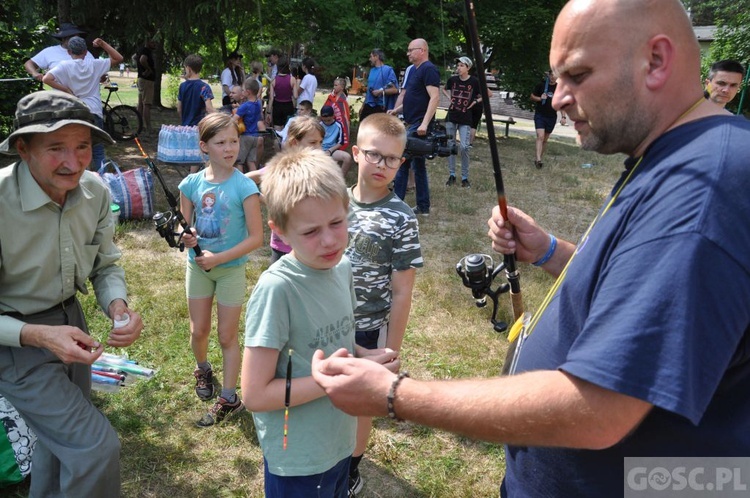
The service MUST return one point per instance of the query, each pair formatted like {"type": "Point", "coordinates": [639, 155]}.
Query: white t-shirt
{"type": "Point", "coordinates": [82, 77]}
{"type": "Point", "coordinates": [51, 56]}
{"type": "Point", "coordinates": [307, 88]}
{"type": "Point", "coordinates": [226, 79]}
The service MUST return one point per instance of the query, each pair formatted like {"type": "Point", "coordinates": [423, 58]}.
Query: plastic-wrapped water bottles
{"type": "Point", "coordinates": [160, 144]}
{"type": "Point", "coordinates": [172, 144]}
{"type": "Point", "coordinates": [195, 149]}
{"type": "Point", "coordinates": [179, 144]}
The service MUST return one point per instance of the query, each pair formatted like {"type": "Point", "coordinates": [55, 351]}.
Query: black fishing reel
{"type": "Point", "coordinates": [478, 271]}
{"type": "Point", "coordinates": [165, 224]}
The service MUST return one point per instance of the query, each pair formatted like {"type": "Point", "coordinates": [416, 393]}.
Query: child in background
{"type": "Point", "coordinates": [383, 248]}
{"type": "Point", "coordinates": [463, 92]}
{"type": "Point", "coordinates": [228, 225]}
{"type": "Point", "coordinates": [194, 98]}
{"type": "Point", "coordinates": [333, 141]}
{"type": "Point", "coordinates": [304, 108]}
{"type": "Point", "coordinates": [309, 83]}
{"type": "Point", "coordinates": [305, 131]}
{"type": "Point", "coordinates": [337, 100]}
{"type": "Point", "coordinates": [303, 302]}
{"type": "Point", "coordinates": [251, 114]}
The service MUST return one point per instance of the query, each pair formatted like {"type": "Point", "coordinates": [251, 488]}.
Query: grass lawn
{"type": "Point", "coordinates": [164, 454]}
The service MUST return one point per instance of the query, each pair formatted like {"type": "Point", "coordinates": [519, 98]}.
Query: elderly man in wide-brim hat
{"type": "Point", "coordinates": [51, 56]}
{"type": "Point", "coordinates": [56, 232]}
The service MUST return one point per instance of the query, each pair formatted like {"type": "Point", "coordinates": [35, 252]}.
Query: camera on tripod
{"type": "Point", "coordinates": [435, 143]}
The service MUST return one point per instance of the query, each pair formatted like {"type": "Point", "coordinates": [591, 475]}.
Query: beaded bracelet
{"type": "Point", "coordinates": [392, 396]}
{"type": "Point", "coordinates": [550, 251]}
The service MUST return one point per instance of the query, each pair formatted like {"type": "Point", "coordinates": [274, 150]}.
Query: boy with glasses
{"type": "Point", "coordinates": [383, 248]}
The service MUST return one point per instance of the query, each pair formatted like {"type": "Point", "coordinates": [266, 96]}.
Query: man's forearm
{"type": "Point", "coordinates": [544, 408]}
{"type": "Point", "coordinates": [431, 108]}
{"type": "Point", "coordinates": [33, 70]}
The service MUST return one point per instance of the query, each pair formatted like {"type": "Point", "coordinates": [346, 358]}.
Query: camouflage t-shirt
{"type": "Point", "coordinates": [383, 237]}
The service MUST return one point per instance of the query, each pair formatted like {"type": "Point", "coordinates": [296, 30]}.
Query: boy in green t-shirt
{"type": "Point", "coordinates": [305, 301]}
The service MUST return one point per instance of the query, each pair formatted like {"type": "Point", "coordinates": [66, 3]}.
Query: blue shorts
{"type": "Point", "coordinates": [371, 339]}
{"type": "Point", "coordinates": [545, 122]}
{"type": "Point", "coordinates": [333, 483]}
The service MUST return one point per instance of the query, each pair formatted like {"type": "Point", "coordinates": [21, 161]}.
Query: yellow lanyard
{"type": "Point", "coordinates": [516, 330]}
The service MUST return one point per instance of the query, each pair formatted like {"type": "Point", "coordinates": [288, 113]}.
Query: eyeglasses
{"type": "Point", "coordinates": [374, 157]}
{"type": "Point", "coordinates": [410, 50]}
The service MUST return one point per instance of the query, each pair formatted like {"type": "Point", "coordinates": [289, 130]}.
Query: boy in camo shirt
{"type": "Point", "coordinates": [383, 248]}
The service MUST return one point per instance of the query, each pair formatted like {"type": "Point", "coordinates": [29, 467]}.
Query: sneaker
{"type": "Point", "coordinates": [204, 383]}
{"type": "Point", "coordinates": [538, 164]}
{"type": "Point", "coordinates": [221, 411]}
{"type": "Point", "coordinates": [355, 483]}
{"type": "Point", "coordinates": [451, 181]}
{"type": "Point", "coordinates": [421, 212]}
{"type": "Point", "coordinates": [465, 183]}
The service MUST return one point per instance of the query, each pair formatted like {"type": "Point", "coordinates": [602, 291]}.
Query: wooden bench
{"type": "Point", "coordinates": [509, 121]}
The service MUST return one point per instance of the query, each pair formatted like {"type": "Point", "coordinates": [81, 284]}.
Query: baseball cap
{"type": "Point", "coordinates": [48, 111]}
{"type": "Point", "coordinates": [326, 111]}
{"type": "Point", "coordinates": [465, 60]}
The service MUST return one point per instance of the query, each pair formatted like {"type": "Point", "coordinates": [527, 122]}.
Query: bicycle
{"type": "Point", "coordinates": [122, 122]}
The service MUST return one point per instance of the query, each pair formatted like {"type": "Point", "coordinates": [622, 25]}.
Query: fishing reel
{"type": "Point", "coordinates": [478, 271]}
{"type": "Point", "coordinates": [165, 225]}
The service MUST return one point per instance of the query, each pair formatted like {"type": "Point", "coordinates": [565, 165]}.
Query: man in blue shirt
{"type": "Point", "coordinates": [420, 101]}
{"type": "Point", "coordinates": [642, 346]}
{"type": "Point", "coordinates": [382, 86]}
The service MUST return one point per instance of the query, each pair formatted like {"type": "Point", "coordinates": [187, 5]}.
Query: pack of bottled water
{"type": "Point", "coordinates": [179, 144]}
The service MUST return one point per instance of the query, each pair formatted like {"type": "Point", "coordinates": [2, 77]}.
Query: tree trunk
{"type": "Point", "coordinates": [158, 69]}
{"type": "Point", "coordinates": [63, 11]}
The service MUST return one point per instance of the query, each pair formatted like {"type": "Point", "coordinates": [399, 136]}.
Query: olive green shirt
{"type": "Point", "coordinates": [48, 251]}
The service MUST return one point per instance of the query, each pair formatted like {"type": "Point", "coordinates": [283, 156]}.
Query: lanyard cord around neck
{"type": "Point", "coordinates": [564, 272]}
{"type": "Point", "coordinates": [548, 298]}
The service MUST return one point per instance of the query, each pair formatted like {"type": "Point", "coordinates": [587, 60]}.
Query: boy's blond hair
{"type": "Point", "coordinates": [301, 126]}
{"type": "Point", "coordinates": [299, 174]}
{"type": "Point", "coordinates": [385, 124]}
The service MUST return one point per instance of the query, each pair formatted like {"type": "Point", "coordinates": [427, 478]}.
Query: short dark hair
{"type": "Point", "coordinates": [194, 62]}
{"type": "Point", "coordinates": [283, 65]}
{"type": "Point", "coordinates": [379, 53]}
{"type": "Point", "coordinates": [273, 51]}
{"type": "Point", "coordinates": [252, 85]}
{"type": "Point", "coordinates": [726, 65]}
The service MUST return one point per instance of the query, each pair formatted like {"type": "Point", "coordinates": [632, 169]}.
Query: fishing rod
{"type": "Point", "coordinates": [481, 286]}
{"type": "Point", "coordinates": [165, 222]}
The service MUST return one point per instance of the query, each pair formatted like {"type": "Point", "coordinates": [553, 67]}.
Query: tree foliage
{"type": "Point", "coordinates": [339, 34]}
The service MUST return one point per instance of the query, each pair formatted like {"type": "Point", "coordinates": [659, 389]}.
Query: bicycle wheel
{"type": "Point", "coordinates": [124, 122]}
